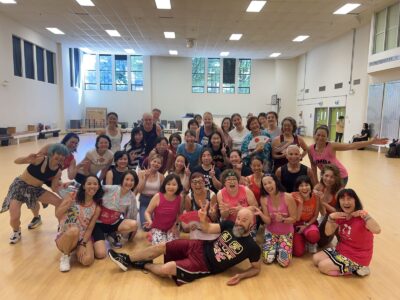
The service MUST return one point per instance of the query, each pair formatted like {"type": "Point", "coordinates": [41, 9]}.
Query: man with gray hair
{"type": "Point", "coordinates": [150, 132]}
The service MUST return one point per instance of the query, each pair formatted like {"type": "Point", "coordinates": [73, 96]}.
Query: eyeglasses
{"type": "Point", "coordinates": [197, 182]}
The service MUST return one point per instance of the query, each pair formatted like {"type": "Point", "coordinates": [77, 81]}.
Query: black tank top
{"type": "Point", "coordinates": [117, 176]}
{"type": "Point", "coordinates": [279, 162]}
{"type": "Point", "coordinates": [149, 138]}
{"type": "Point", "coordinates": [36, 171]}
{"type": "Point", "coordinates": [289, 179]}
{"type": "Point", "coordinates": [194, 203]}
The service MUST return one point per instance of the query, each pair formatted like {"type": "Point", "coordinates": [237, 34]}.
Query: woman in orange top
{"type": "Point", "coordinates": [306, 233]}
{"type": "Point", "coordinates": [326, 191]}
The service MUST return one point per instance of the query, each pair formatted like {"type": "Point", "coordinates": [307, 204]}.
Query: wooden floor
{"type": "Point", "coordinates": [29, 270]}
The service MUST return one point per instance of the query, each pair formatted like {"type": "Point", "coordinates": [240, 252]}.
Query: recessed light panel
{"type": "Point", "coordinates": [301, 38]}
{"type": "Point", "coordinates": [256, 6]}
{"type": "Point", "coordinates": [345, 9]}
{"type": "Point", "coordinates": [55, 30]}
{"type": "Point", "coordinates": [130, 51]}
{"type": "Point", "coordinates": [173, 52]}
{"type": "Point", "coordinates": [85, 2]}
{"type": "Point", "coordinates": [224, 53]}
{"type": "Point", "coordinates": [112, 32]}
{"type": "Point", "coordinates": [163, 4]}
{"type": "Point", "coordinates": [276, 54]}
{"type": "Point", "coordinates": [235, 36]}
{"type": "Point", "coordinates": [169, 34]}
{"type": "Point", "coordinates": [8, 1]}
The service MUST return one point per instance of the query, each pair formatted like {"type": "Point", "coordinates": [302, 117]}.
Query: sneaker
{"type": "Point", "coordinates": [140, 264]}
{"type": "Point", "coordinates": [115, 240]}
{"type": "Point", "coordinates": [36, 221]}
{"type": "Point", "coordinates": [65, 265]}
{"type": "Point", "coordinates": [15, 237]}
{"type": "Point", "coordinates": [312, 248]}
{"type": "Point", "coordinates": [363, 271]}
{"type": "Point", "coordinates": [120, 259]}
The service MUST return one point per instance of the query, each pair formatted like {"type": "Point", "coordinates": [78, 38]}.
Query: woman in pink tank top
{"type": "Point", "coordinates": [233, 196]}
{"type": "Point", "coordinates": [324, 152]}
{"type": "Point", "coordinates": [163, 211]}
{"type": "Point", "coordinates": [279, 213]}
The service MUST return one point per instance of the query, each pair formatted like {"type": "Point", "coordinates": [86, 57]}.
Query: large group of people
{"type": "Point", "coordinates": [217, 189]}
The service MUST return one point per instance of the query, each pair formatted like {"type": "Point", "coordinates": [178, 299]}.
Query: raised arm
{"type": "Point", "coordinates": [303, 146]}
{"type": "Point", "coordinates": [32, 158]}
{"type": "Point", "coordinates": [205, 226]}
{"type": "Point", "coordinates": [358, 145]}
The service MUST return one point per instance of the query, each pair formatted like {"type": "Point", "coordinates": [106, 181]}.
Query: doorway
{"type": "Point", "coordinates": [334, 114]}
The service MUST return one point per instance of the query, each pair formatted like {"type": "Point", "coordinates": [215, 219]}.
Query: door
{"type": "Point", "coordinates": [334, 114]}
{"type": "Point", "coordinates": [321, 117]}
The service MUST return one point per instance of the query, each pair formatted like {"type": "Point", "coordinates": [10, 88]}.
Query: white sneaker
{"type": "Point", "coordinates": [363, 271]}
{"type": "Point", "coordinates": [65, 265]}
{"type": "Point", "coordinates": [312, 248]}
{"type": "Point", "coordinates": [15, 237]}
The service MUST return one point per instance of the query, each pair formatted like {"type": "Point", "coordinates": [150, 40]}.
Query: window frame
{"type": "Point", "coordinates": [108, 84]}
{"type": "Point", "coordinates": [134, 74]}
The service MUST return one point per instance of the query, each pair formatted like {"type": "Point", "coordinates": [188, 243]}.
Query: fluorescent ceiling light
{"type": "Point", "coordinates": [301, 38]}
{"type": "Point", "coordinates": [276, 54]}
{"type": "Point", "coordinates": [169, 34]}
{"type": "Point", "coordinates": [345, 9]}
{"type": "Point", "coordinates": [85, 2]}
{"type": "Point", "coordinates": [8, 1]}
{"type": "Point", "coordinates": [235, 36]}
{"type": "Point", "coordinates": [130, 51]}
{"type": "Point", "coordinates": [163, 4]}
{"type": "Point", "coordinates": [173, 52]}
{"type": "Point", "coordinates": [112, 32]}
{"type": "Point", "coordinates": [54, 30]}
{"type": "Point", "coordinates": [224, 54]}
{"type": "Point", "coordinates": [256, 6]}
{"type": "Point", "coordinates": [87, 50]}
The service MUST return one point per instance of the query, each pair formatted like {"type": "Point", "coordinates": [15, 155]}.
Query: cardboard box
{"type": "Point", "coordinates": [32, 128]}
{"type": "Point", "coordinates": [11, 130]}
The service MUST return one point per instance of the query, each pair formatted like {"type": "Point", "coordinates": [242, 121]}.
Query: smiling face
{"type": "Point", "coordinates": [197, 183]}
{"type": "Point", "coordinates": [321, 136]}
{"type": "Point", "coordinates": [293, 154]}
{"type": "Point", "coordinates": [122, 162]}
{"type": "Point", "coordinates": [216, 141]}
{"type": "Point", "coordinates": [226, 124]}
{"type": "Point", "coordinates": [206, 158]}
{"type": "Point", "coordinates": [231, 183]}
{"type": "Point", "coordinates": [305, 189]}
{"type": "Point", "coordinates": [287, 127]}
{"type": "Point", "coordinates": [234, 158]}
{"type": "Point", "coordinates": [328, 178]}
{"type": "Point", "coordinates": [254, 126]}
{"type": "Point", "coordinates": [162, 146]}
{"type": "Point", "coordinates": [243, 223]}
{"type": "Point", "coordinates": [72, 144]}
{"type": "Point", "coordinates": [256, 166]}
{"type": "Point", "coordinates": [155, 164]}
{"type": "Point", "coordinates": [207, 120]}
{"type": "Point", "coordinates": [175, 142]}
{"type": "Point", "coordinates": [237, 121]}
{"type": "Point", "coordinates": [171, 187]}
{"type": "Point", "coordinates": [147, 121]}
{"type": "Point", "coordinates": [129, 182]}
{"type": "Point", "coordinates": [179, 163]}
{"type": "Point", "coordinates": [91, 186]}
{"type": "Point", "coordinates": [57, 159]}
{"type": "Point", "coordinates": [138, 137]}
{"type": "Point", "coordinates": [263, 121]}
{"type": "Point", "coordinates": [112, 120]}
{"type": "Point", "coordinates": [103, 145]}
{"type": "Point", "coordinates": [271, 119]}
{"type": "Point", "coordinates": [347, 204]}
{"type": "Point", "coordinates": [269, 185]}
{"type": "Point", "coordinates": [189, 138]}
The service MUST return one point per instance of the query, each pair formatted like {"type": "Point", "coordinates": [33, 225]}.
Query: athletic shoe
{"type": "Point", "coordinates": [15, 237]}
{"type": "Point", "coordinates": [120, 259]}
{"type": "Point", "coordinates": [36, 221]}
{"type": "Point", "coordinates": [363, 271]}
{"type": "Point", "coordinates": [312, 248]}
{"type": "Point", "coordinates": [115, 240]}
{"type": "Point", "coordinates": [140, 264]}
{"type": "Point", "coordinates": [65, 265]}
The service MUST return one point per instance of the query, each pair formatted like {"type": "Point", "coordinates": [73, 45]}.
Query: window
{"type": "Point", "coordinates": [50, 66]}
{"type": "Point", "coordinates": [77, 67]}
{"type": "Point", "coordinates": [244, 76]}
{"type": "Point", "coordinates": [89, 71]}
{"type": "Point", "coordinates": [228, 79]}
{"type": "Point", "coordinates": [213, 75]}
{"type": "Point", "coordinates": [40, 63]}
{"type": "Point", "coordinates": [198, 75]}
{"type": "Point", "coordinates": [29, 64]}
{"type": "Point", "coordinates": [121, 72]}
{"type": "Point", "coordinates": [105, 62]}
{"type": "Point", "coordinates": [392, 27]}
{"type": "Point", "coordinates": [136, 73]}
{"type": "Point", "coordinates": [387, 29]}
{"type": "Point", "coordinates": [71, 66]}
{"type": "Point", "coordinates": [17, 56]}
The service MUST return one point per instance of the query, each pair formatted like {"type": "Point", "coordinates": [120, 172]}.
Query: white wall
{"type": "Point", "coordinates": [327, 65]}
{"type": "Point", "coordinates": [25, 101]}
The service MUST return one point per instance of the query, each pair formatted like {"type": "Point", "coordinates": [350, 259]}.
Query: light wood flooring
{"type": "Point", "coordinates": [29, 270]}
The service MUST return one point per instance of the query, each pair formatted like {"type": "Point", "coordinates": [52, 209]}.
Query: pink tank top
{"type": "Point", "coordinates": [278, 227]}
{"type": "Point", "coordinates": [240, 199]}
{"type": "Point", "coordinates": [327, 157]}
{"type": "Point", "coordinates": [166, 212]}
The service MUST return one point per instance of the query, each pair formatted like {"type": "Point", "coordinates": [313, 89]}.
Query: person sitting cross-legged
{"type": "Point", "coordinates": [187, 260]}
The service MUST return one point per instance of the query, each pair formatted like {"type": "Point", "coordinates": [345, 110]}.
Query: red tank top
{"type": "Point", "coordinates": [166, 212]}
{"type": "Point", "coordinates": [240, 199]}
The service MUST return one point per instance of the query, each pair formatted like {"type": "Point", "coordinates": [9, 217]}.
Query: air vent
{"type": "Point", "coordinates": [384, 60]}
{"type": "Point", "coordinates": [165, 17]}
{"type": "Point", "coordinates": [80, 14]}
{"type": "Point", "coordinates": [338, 85]}
{"type": "Point", "coordinates": [322, 88]}
{"type": "Point", "coordinates": [356, 81]}
{"type": "Point", "coordinates": [307, 91]}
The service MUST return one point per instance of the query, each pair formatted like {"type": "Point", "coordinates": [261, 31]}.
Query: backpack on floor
{"type": "Point", "coordinates": [394, 149]}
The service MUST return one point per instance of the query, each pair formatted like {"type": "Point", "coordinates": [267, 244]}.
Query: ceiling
{"type": "Point", "coordinates": [209, 22]}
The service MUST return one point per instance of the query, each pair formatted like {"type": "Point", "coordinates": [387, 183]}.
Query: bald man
{"type": "Point", "coordinates": [150, 132]}
{"type": "Point", "coordinates": [187, 260]}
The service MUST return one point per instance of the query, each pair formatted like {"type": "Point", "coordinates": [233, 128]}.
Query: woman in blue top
{"type": "Point", "coordinates": [257, 143]}
{"type": "Point", "coordinates": [190, 149]}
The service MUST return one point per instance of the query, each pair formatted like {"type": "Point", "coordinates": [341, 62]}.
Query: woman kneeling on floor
{"type": "Point", "coordinates": [356, 227]}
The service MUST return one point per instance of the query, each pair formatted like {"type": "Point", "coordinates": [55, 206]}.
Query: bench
{"type": "Point", "coordinates": [4, 137]}
{"type": "Point", "coordinates": [26, 134]}
{"type": "Point", "coordinates": [54, 132]}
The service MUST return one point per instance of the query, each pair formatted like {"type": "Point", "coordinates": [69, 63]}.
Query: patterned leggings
{"type": "Point", "coordinates": [158, 236]}
{"type": "Point", "coordinates": [277, 246]}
